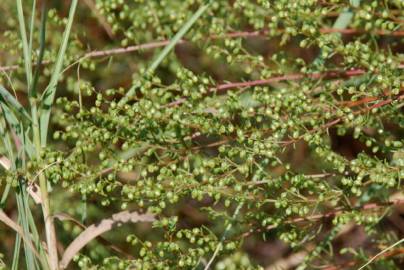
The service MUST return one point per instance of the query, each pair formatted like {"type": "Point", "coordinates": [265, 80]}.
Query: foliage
{"type": "Point", "coordinates": [261, 122]}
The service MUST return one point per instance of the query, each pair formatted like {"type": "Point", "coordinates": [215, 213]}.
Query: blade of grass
{"type": "Point", "coordinates": [22, 201]}
{"type": "Point", "coordinates": [16, 254]}
{"type": "Point", "coordinates": [28, 146]}
{"type": "Point", "coordinates": [32, 26]}
{"type": "Point", "coordinates": [37, 242]}
{"type": "Point", "coordinates": [7, 143]}
{"type": "Point", "coordinates": [184, 29]}
{"type": "Point", "coordinates": [25, 45]}
{"type": "Point", "coordinates": [23, 208]}
{"type": "Point", "coordinates": [34, 232]}
{"type": "Point", "coordinates": [40, 131]}
{"type": "Point", "coordinates": [11, 119]}
{"type": "Point", "coordinates": [6, 138]}
{"type": "Point", "coordinates": [224, 236]}
{"type": "Point", "coordinates": [22, 214]}
{"type": "Point", "coordinates": [22, 198]}
{"type": "Point", "coordinates": [381, 253]}
{"type": "Point", "coordinates": [160, 57]}
{"type": "Point", "coordinates": [49, 94]}
{"type": "Point", "coordinates": [42, 37]}
{"type": "Point", "coordinates": [12, 101]}
{"type": "Point", "coordinates": [17, 127]}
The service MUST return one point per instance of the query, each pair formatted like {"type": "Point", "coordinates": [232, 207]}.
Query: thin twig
{"type": "Point", "coordinates": [220, 245]}
{"type": "Point", "coordinates": [368, 206]}
{"type": "Point", "coordinates": [288, 77]}
{"type": "Point", "coordinates": [241, 34]}
{"type": "Point", "coordinates": [382, 252]}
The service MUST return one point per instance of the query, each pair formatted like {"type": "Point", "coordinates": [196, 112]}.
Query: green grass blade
{"type": "Point", "coordinates": [32, 26]}
{"type": "Point", "coordinates": [160, 57]}
{"type": "Point", "coordinates": [28, 145]}
{"type": "Point", "coordinates": [16, 255]}
{"type": "Point", "coordinates": [12, 120]}
{"type": "Point", "coordinates": [37, 241]}
{"type": "Point", "coordinates": [5, 135]}
{"type": "Point", "coordinates": [42, 37]}
{"type": "Point", "coordinates": [31, 221]}
{"type": "Point", "coordinates": [17, 127]}
{"type": "Point", "coordinates": [22, 197]}
{"type": "Point", "coordinates": [22, 213]}
{"type": "Point", "coordinates": [13, 102]}
{"type": "Point", "coordinates": [7, 143]}
{"type": "Point", "coordinates": [25, 45]}
{"type": "Point", "coordinates": [184, 29]}
{"type": "Point", "coordinates": [50, 91]}
{"type": "Point", "coordinates": [5, 195]}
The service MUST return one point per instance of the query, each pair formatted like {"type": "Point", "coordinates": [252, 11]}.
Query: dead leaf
{"type": "Point", "coordinates": [95, 230]}
{"type": "Point", "coordinates": [10, 223]}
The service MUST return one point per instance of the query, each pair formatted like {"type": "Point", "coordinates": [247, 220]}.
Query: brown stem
{"type": "Point", "coordinates": [388, 254]}
{"type": "Point", "coordinates": [369, 206]}
{"type": "Point", "coordinates": [241, 34]}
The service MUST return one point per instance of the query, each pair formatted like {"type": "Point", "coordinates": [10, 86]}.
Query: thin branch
{"type": "Point", "coordinates": [293, 77]}
{"type": "Point", "coordinates": [325, 126]}
{"type": "Point", "coordinates": [340, 210]}
{"type": "Point", "coordinates": [288, 77]}
{"type": "Point", "coordinates": [381, 253]}
{"type": "Point", "coordinates": [224, 236]}
{"type": "Point", "coordinates": [361, 31]}
{"type": "Point", "coordinates": [241, 34]}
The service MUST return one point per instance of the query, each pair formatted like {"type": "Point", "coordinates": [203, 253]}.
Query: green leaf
{"type": "Point", "coordinates": [32, 25]}
{"type": "Point", "coordinates": [42, 37]}
{"type": "Point", "coordinates": [160, 57]}
{"type": "Point", "coordinates": [17, 127]}
{"type": "Point", "coordinates": [16, 253]}
{"type": "Point", "coordinates": [23, 208]}
{"type": "Point", "coordinates": [49, 94]}
{"type": "Point", "coordinates": [25, 45]}
{"type": "Point", "coordinates": [13, 102]}
{"type": "Point", "coordinates": [184, 29]}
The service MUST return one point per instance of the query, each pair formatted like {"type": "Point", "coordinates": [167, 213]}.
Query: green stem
{"type": "Point", "coordinates": [43, 186]}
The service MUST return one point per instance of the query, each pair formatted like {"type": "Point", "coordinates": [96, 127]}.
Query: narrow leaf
{"type": "Point", "coordinates": [25, 45]}
{"type": "Point", "coordinates": [160, 57]}
{"type": "Point", "coordinates": [49, 94]}
{"type": "Point", "coordinates": [16, 256]}
{"type": "Point", "coordinates": [42, 38]}
{"type": "Point", "coordinates": [13, 102]}
{"type": "Point", "coordinates": [32, 26]}
{"type": "Point", "coordinates": [184, 29]}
